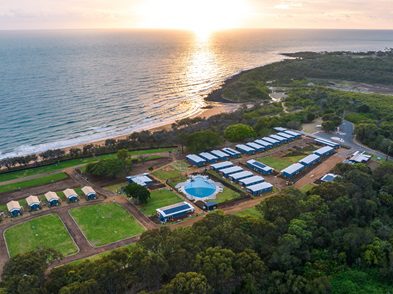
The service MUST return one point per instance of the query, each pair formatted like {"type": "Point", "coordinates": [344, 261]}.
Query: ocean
{"type": "Point", "coordinates": [62, 88]}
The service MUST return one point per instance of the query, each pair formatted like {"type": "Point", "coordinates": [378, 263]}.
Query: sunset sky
{"type": "Point", "coordinates": [197, 15]}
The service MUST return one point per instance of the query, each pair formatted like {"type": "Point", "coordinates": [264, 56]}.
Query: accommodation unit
{"type": "Point", "coordinates": [259, 167]}
{"type": "Point", "coordinates": [265, 144]}
{"type": "Point", "coordinates": [196, 160]}
{"type": "Point", "coordinates": [279, 138]}
{"type": "Point", "coordinates": [14, 208]}
{"type": "Point", "coordinates": [174, 212]}
{"type": "Point", "coordinates": [221, 165]}
{"type": "Point", "coordinates": [280, 129]}
{"type": "Point", "coordinates": [33, 202]}
{"type": "Point", "coordinates": [231, 170]}
{"type": "Point", "coordinates": [240, 175]}
{"type": "Point", "coordinates": [292, 133]}
{"type": "Point", "coordinates": [359, 157]}
{"type": "Point", "coordinates": [220, 154]}
{"type": "Point", "coordinates": [328, 178]}
{"type": "Point", "coordinates": [245, 149]}
{"type": "Point", "coordinates": [327, 143]}
{"type": "Point", "coordinates": [52, 198]}
{"type": "Point", "coordinates": [251, 181]}
{"type": "Point", "coordinates": [286, 135]}
{"type": "Point", "coordinates": [71, 195]}
{"type": "Point", "coordinates": [206, 205]}
{"type": "Point", "coordinates": [272, 141]}
{"type": "Point", "coordinates": [232, 152]}
{"type": "Point", "coordinates": [256, 146]}
{"type": "Point", "coordinates": [310, 160]}
{"type": "Point", "coordinates": [208, 156]}
{"type": "Point", "coordinates": [324, 151]}
{"type": "Point", "coordinates": [292, 170]}
{"type": "Point", "coordinates": [89, 193]}
{"type": "Point", "coordinates": [260, 188]}
{"type": "Point", "coordinates": [142, 180]}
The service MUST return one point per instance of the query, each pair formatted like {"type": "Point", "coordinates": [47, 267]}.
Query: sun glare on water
{"type": "Point", "coordinates": [203, 17]}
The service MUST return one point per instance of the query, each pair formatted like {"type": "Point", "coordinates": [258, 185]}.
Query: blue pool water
{"type": "Point", "coordinates": [200, 188]}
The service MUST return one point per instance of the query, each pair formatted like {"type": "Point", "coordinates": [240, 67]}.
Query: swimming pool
{"type": "Point", "coordinates": [199, 187]}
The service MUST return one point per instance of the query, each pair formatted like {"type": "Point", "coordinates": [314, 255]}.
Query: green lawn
{"type": "Point", "coordinates": [173, 172]}
{"type": "Point", "coordinates": [159, 198]}
{"type": "Point", "coordinates": [116, 188]}
{"type": "Point", "coordinates": [279, 163]}
{"type": "Point", "coordinates": [106, 223]}
{"type": "Point", "coordinates": [33, 183]}
{"type": "Point", "coordinates": [71, 163]}
{"type": "Point", "coordinates": [249, 212]}
{"type": "Point", "coordinates": [227, 195]}
{"type": "Point", "coordinates": [307, 187]}
{"type": "Point", "coordinates": [46, 231]}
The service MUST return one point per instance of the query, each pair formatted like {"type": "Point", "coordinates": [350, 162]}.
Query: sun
{"type": "Point", "coordinates": [200, 16]}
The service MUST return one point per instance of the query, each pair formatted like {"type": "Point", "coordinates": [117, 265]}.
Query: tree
{"type": "Point", "coordinates": [202, 140]}
{"type": "Point", "coordinates": [137, 192]}
{"type": "Point", "coordinates": [185, 283]}
{"type": "Point", "coordinates": [105, 168]}
{"type": "Point", "coordinates": [124, 157]}
{"type": "Point", "coordinates": [239, 132]}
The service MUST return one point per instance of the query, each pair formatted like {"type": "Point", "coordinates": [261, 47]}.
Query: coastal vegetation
{"type": "Point", "coordinates": [328, 239]}
{"type": "Point", "coordinates": [239, 132]}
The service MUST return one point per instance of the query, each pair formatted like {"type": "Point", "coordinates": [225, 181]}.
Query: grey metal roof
{"type": "Point", "coordinates": [309, 159]}
{"type": "Point", "coordinates": [259, 187]}
{"type": "Point", "coordinates": [323, 150]}
{"type": "Point", "coordinates": [222, 165]}
{"type": "Point", "coordinates": [195, 158]}
{"type": "Point", "coordinates": [231, 170]}
{"type": "Point", "coordinates": [293, 168]}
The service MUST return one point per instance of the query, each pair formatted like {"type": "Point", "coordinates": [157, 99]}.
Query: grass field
{"type": "Point", "coordinates": [116, 188]}
{"type": "Point", "coordinates": [173, 172]}
{"type": "Point", "coordinates": [249, 212]}
{"type": "Point", "coordinates": [307, 187]}
{"type": "Point", "coordinates": [159, 198]}
{"type": "Point", "coordinates": [71, 163]}
{"type": "Point", "coordinates": [227, 195]}
{"type": "Point", "coordinates": [106, 223]}
{"type": "Point", "coordinates": [46, 231]}
{"type": "Point", "coordinates": [279, 163]}
{"type": "Point", "coordinates": [33, 183]}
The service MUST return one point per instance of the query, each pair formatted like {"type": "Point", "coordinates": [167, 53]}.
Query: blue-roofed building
{"type": "Point", "coordinates": [207, 205]}
{"type": "Point", "coordinates": [272, 141]}
{"type": "Point", "coordinates": [221, 165]}
{"type": "Point", "coordinates": [245, 149]}
{"type": "Point", "coordinates": [220, 154]}
{"type": "Point", "coordinates": [328, 178]}
{"type": "Point", "coordinates": [279, 138]}
{"type": "Point", "coordinates": [292, 170]}
{"type": "Point", "coordinates": [142, 180]}
{"type": "Point", "coordinates": [267, 145]}
{"type": "Point", "coordinates": [231, 170]}
{"type": "Point", "coordinates": [259, 167]}
{"type": "Point", "coordinates": [256, 146]}
{"type": "Point", "coordinates": [232, 152]}
{"type": "Point", "coordinates": [295, 134]}
{"type": "Point", "coordinates": [260, 188]}
{"type": "Point", "coordinates": [310, 160]}
{"type": "Point", "coordinates": [208, 156]}
{"type": "Point", "coordinates": [196, 160]}
{"type": "Point", "coordinates": [251, 181]}
{"type": "Point", "coordinates": [286, 135]}
{"type": "Point", "coordinates": [324, 151]}
{"type": "Point", "coordinates": [240, 175]}
{"type": "Point", "coordinates": [174, 212]}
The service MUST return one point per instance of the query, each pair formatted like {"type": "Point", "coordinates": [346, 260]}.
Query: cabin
{"type": "Point", "coordinates": [221, 165]}
{"type": "Point", "coordinates": [14, 208]}
{"type": "Point", "coordinates": [52, 198]}
{"type": "Point", "coordinates": [260, 188]}
{"type": "Point", "coordinates": [142, 180]}
{"type": "Point", "coordinates": [265, 144]}
{"type": "Point", "coordinates": [271, 141]}
{"type": "Point", "coordinates": [279, 138]}
{"type": "Point", "coordinates": [90, 194]}
{"type": "Point", "coordinates": [360, 157]}
{"type": "Point", "coordinates": [259, 167]}
{"type": "Point", "coordinates": [327, 143]}
{"type": "Point", "coordinates": [324, 151]}
{"type": "Point", "coordinates": [206, 205]}
{"type": "Point", "coordinates": [232, 152]}
{"type": "Point", "coordinates": [240, 175]}
{"type": "Point", "coordinates": [310, 160]}
{"type": "Point", "coordinates": [174, 212]}
{"type": "Point", "coordinates": [245, 149]}
{"type": "Point", "coordinates": [220, 154]}
{"type": "Point", "coordinates": [71, 195]}
{"type": "Point", "coordinates": [292, 170]}
{"type": "Point", "coordinates": [257, 147]}
{"type": "Point", "coordinates": [287, 136]}
{"type": "Point", "coordinates": [329, 178]}
{"type": "Point", "coordinates": [280, 129]}
{"type": "Point", "coordinates": [251, 181]}
{"type": "Point", "coordinates": [209, 157]}
{"type": "Point", "coordinates": [231, 170]}
{"type": "Point", "coordinates": [292, 133]}
{"type": "Point", "coordinates": [196, 160]}
{"type": "Point", "coordinates": [33, 203]}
